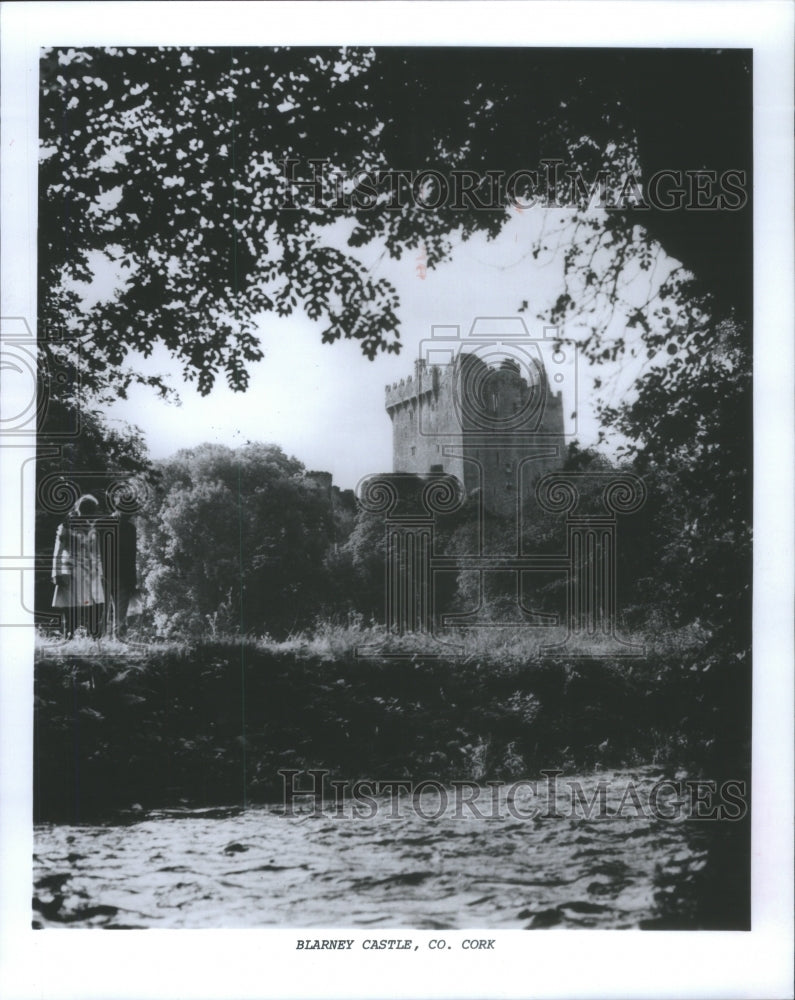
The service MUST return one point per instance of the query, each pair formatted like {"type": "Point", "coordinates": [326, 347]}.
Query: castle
{"type": "Point", "coordinates": [482, 418]}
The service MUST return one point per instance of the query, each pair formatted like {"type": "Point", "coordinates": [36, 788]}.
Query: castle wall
{"type": "Point", "coordinates": [423, 422]}
{"type": "Point", "coordinates": [479, 424]}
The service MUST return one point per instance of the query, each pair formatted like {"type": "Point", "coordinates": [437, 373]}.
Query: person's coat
{"type": "Point", "coordinates": [77, 566]}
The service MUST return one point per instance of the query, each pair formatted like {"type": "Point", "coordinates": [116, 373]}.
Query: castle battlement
{"type": "Point", "coordinates": [478, 422]}
{"type": "Point", "coordinates": [425, 380]}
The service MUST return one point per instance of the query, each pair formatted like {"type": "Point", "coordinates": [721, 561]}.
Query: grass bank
{"type": "Point", "coordinates": [212, 723]}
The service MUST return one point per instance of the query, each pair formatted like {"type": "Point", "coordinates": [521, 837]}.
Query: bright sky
{"type": "Point", "coordinates": [323, 403]}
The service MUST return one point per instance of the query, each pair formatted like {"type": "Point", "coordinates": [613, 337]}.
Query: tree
{"type": "Point", "coordinates": [234, 542]}
{"type": "Point", "coordinates": [358, 568]}
{"type": "Point", "coordinates": [168, 165]}
{"type": "Point", "coordinates": [689, 431]}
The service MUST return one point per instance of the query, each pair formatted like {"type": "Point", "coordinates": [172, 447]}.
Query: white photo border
{"type": "Point", "coordinates": [264, 963]}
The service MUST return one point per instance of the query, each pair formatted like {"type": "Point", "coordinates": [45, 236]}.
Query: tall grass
{"type": "Point", "coordinates": [503, 645]}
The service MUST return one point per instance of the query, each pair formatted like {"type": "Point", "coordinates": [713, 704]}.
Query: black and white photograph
{"type": "Point", "coordinates": [392, 437]}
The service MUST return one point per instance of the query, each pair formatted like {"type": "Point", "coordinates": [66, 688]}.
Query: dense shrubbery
{"type": "Point", "coordinates": [213, 723]}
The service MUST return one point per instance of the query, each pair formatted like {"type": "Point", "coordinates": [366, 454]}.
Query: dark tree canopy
{"type": "Point", "coordinates": [166, 163]}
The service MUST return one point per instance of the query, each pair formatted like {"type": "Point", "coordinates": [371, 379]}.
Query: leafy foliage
{"type": "Point", "coordinates": [689, 429]}
{"type": "Point", "coordinates": [162, 167]}
{"type": "Point", "coordinates": [172, 720]}
{"type": "Point", "coordinates": [235, 541]}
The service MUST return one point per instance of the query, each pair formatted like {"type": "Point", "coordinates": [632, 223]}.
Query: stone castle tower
{"type": "Point", "coordinates": [496, 427]}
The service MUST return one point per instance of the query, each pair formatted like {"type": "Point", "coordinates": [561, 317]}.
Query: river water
{"type": "Point", "coordinates": [426, 867]}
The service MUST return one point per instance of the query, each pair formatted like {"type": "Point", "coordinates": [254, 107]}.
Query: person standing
{"type": "Point", "coordinates": [77, 570]}
{"type": "Point", "coordinates": [120, 572]}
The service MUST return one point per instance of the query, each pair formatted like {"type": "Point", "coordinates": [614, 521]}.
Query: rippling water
{"type": "Point", "coordinates": [259, 868]}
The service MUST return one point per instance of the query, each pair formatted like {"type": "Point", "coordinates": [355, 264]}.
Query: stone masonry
{"type": "Point", "coordinates": [494, 429]}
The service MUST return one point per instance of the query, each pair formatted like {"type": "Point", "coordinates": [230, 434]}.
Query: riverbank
{"type": "Point", "coordinates": [122, 727]}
